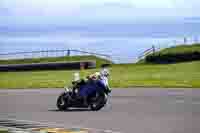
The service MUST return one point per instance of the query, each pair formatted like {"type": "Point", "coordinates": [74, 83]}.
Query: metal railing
{"type": "Point", "coordinates": [147, 52]}
{"type": "Point", "coordinates": [116, 58]}
{"type": "Point", "coordinates": [156, 48]}
{"type": "Point", "coordinates": [50, 53]}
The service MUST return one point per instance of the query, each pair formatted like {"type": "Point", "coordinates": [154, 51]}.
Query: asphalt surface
{"type": "Point", "coordinates": [137, 110]}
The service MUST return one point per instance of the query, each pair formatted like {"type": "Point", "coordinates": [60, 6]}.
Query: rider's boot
{"type": "Point", "coordinates": [85, 103]}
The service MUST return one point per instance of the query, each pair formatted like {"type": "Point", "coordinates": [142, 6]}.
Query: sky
{"type": "Point", "coordinates": [77, 12]}
{"type": "Point", "coordinates": [23, 21]}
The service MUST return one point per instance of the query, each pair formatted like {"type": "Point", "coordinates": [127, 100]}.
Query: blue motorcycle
{"type": "Point", "coordinates": [90, 93]}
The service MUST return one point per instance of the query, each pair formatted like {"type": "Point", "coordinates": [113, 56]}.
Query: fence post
{"type": "Point", "coordinates": [47, 53]}
{"type": "Point", "coordinates": [82, 65]}
{"type": "Point", "coordinates": [68, 52]}
{"type": "Point", "coordinates": [185, 40]}
{"type": "Point", "coordinates": [153, 48]}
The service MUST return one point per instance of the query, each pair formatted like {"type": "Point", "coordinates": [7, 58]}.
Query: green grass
{"type": "Point", "coordinates": [4, 130]}
{"type": "Point", "coordinates": [98, 60]}
{"type": "Point", "coordinates": [181, 49]}
{"type": "Point", "coordinates": [127, 75]}
{"type": "Point", "coordinates": [181, 53]}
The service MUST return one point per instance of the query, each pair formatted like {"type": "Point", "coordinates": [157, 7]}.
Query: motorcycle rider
{"type": "Point", "coordinates": [104, 76]}
{"type": "Point", "coordinates": [91, 80]}
{"type": "Point", "coordinates": [100, 78]}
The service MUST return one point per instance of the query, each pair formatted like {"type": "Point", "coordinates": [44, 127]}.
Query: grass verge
{"type": "Point", "coordinates": [181, 53]}
{"type": "Point", "coordinates": [178, 75]}
{"type": "Point", "coordinates": [98, 60]}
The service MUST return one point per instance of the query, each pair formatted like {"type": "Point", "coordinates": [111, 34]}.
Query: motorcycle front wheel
{"type": "Point", "coordinates": [62, 102]}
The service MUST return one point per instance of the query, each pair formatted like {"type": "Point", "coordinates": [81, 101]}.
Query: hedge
{"type": "Point", "coordinates": [173, 57]}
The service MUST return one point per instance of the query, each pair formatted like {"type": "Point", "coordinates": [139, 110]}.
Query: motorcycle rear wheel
{"type": "Point", "coordinates": [98, 102]}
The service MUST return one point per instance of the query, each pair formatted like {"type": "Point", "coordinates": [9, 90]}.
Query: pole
{"type": "Point", "coordinates": [153, 47]}
{"type": "Point", "coordinates": [68, 52]}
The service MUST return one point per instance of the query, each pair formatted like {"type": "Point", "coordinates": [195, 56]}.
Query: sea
{"type": "Point", "coordinates": [123, 44]}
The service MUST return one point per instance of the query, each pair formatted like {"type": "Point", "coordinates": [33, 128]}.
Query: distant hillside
{"type": "Point", "coordinates": [181, 53]}
{"type": "Point", "coordinates": [98, 60]}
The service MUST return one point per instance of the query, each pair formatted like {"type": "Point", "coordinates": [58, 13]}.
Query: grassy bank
{"type": "Point", "coordinates": [127, 75]}
{"type": "Point", "coordinates": [175, 54]}
{"type": "Point", "coordinates": [98, 60]}
{"type": "Point", "coordinates": [181, 49]}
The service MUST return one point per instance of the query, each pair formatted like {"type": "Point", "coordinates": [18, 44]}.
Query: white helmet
{"type": "Point", "coordinates": [105, 73]}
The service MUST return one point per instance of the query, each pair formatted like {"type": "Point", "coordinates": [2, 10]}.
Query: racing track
{"type": "Point", "coordinates": [137, 110]}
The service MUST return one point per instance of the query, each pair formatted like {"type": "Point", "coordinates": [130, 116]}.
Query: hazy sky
{"type": "Point", "coordinates": [66, 12]}
{"type": "Point", "coordinates": [58, 16]}
{"type": "Point", "coordinates": [33, 24]}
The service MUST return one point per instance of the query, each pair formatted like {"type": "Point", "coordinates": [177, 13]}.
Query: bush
{"type": "Point", "coordinates": [173, 57]}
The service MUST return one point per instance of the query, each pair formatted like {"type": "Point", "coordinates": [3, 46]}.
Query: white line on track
{"type": "Point", "coordinates": [62, 126]}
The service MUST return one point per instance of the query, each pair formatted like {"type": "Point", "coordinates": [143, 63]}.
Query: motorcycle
{"type": "Point", "coordinates": [96, 94]}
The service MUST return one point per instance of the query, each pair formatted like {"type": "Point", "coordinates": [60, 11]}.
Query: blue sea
{"type": "Point", "coordinates": [123, 43]}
